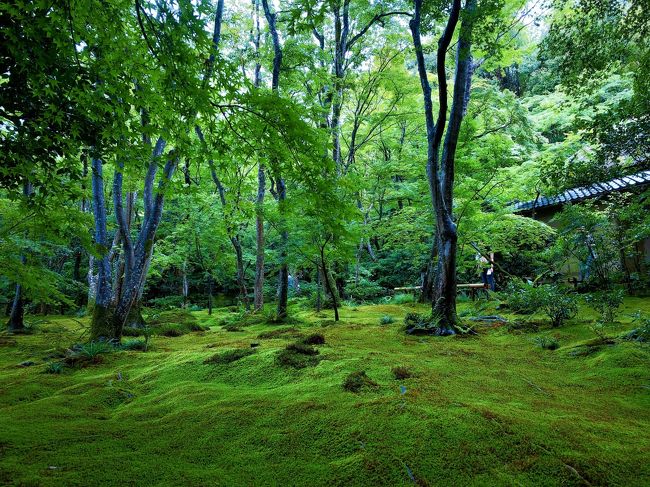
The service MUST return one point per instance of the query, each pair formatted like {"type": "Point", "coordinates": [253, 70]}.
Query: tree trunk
{"type": "Point", "coordinates": [259, 237]}
{"type": "Point", "coordinates": [241, 274]}
{"type": "Point", "coordinates": [440, 166]}
{"type": "Point", "coordinates": [328, 282]}
{"type": "Point", "coordinates": [15, 323]}
{"type": "Point", "coordinates": [210, 283]}
{"type": "Point", "coordinates": [283, 275]}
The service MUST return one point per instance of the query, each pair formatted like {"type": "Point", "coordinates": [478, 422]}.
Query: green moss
{"type": "Point", "coordinates": [491, 410]}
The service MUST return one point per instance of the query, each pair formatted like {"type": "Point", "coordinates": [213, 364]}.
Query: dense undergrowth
{"type": "Point", "coordinates": [366, 405]}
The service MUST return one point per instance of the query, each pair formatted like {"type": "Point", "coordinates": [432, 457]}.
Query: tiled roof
{"type": "Point", "coordinates": [574, 195]}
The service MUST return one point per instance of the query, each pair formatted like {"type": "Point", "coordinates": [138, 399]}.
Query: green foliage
{"type": "Point", "coordinates": [133, 345]}
{"type": "Point", "coordinates": [365, 291]}
{"type": "Point", "coordinates": [558, 304]}
{"type": "Point", "coordinates": [606, 303]}
{"type": "Point", "coordinates": [416, 323]}
{"type": "Point", "coordinates": [523, 298]}
{"type": "Point", "coordinates": [54, 367]}
{"type": "Point", "coordinates": [547, 342]}
{"type": "Point", "coordinates": [402, 299]}
{"type": "Point", "coordinates": [358, 381]}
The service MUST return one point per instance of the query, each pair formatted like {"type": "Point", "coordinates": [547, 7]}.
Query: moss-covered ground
{"type": "Point", "coordinates": [494, 409]}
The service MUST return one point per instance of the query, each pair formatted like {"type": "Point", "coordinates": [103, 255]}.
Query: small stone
{"type": "Point", "coordinates": [255, 345]}
{"type": "Point", "coordinates": [27, 363]}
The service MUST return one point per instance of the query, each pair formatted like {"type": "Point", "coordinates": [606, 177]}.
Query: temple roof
{"type": "Point", "coordinates": [574, 195]}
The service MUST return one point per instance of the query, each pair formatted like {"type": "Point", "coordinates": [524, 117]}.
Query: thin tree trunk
{"type": "Point", "coordinates": [328, 283]}
{"type": "Point", "coordinates": [259, 238]}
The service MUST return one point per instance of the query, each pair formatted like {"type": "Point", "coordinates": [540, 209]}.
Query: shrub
{"type": "Point", "coordinates": [606, 303]}
{"type": "Point", "coordinates": [386, 320]}
{"type": "Point", "coordinates": [232, 327]}
{"type": "Point", "coordinates": [229, 356]}
{"type": "Point", "coordinates": [357, 381]}
{"type": "Point", "coordinates": [176, 316]}
{"type": "Point", "coordinates": [166, 302]}
{"type": "Point", "coordinates": [401, 373]}
{"type": "Point", "coordinates": [640, 333]}
{"type": "Point", "coordinates": [418, 323]}
{"type": "Point", "coordinates": [559, 305]}
{"type": "Point", "coordinates": [365, 291]}
{"type": "Point", "coordinates": [54, 367]}
{"type": "Point", "coordinates": [547, 343]}
{"type": "Point", "coordinates": [523, 298]}
{"type": "Point", "coordinates": [314, 339]}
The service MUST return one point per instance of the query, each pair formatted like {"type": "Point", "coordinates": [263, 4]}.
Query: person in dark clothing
{"type": "Point", "coordinates": [486, 266]}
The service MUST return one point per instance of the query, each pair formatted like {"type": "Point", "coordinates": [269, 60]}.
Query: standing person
{"type": "Point", "coordinates": [486, 266]}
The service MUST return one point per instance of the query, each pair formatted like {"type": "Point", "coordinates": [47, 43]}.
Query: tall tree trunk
{"type": "Point", "coordinates": [102, 320]}
{"type": "Point", "coordinates": [440, 167]}
{"type": "Point", "coordinates": [283, 275]}
{"type": "Point", "coordinates": [258, 289]}
{"type": "Point", "coordinates": [328, 282]}
{"type": "Point", "coordinates": [16, 323]}
{"type": "Point", "coordinates": [259, 239]}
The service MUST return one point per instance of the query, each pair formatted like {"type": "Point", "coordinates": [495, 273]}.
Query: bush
{"type": "Point", "coordinates": [547, 343]}
{"type": "Point", "coordinates": [314, 339]}
{"type": "Point", "coordinates": [558, 304]}
{"type": "Point", "coordinates": [523, 298]}
{"type": "Point", "coordinates": [640, 333]}
{"type": "Point", "coordinates": [357, 381]}
{"type": "Point", "coordinates": [166, 302]}
{"type": "Point", "coordinates": [606, 303]}
{"type": "Point", "coordinates": [386, 320]}
{"type": "Point", "coordinates": [174, 323]}
{"type": "Point", "coordinates": [229, 356]}
{"type": "Point", "coordinates": [401, 373]}
{"type": "Point", "coordinates": [416, 323]}
{"type": "Point", "coordinates": [365, 290]}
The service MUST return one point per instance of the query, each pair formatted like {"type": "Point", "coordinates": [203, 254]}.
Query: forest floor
{"type": "Point", "coordinates": [493, 409]}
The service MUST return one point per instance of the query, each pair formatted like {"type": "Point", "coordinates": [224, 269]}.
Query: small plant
{"type": "Point", "coordinates": [357, 381]}
{"type": "Point", "coordinates": [640, 333]}
{"type": "Point", "coordinates": [401, 373]}
{"type": "Point", "coordinates": [606, 303]}
{"type": "Point", "coordinates": [416, 323]}
{"type": "Point", "coordinates": [386, 320]}
{"type": "Point", "coordinates": [547, 343]}
{"type": "Point", "coordinates": [229, 356]}
{"type": "Point", "coordinates": [314, 339]}
{"type": "Point", "coordinates": [54, 367]}
{"type": "Point", "coordinates": [88, 353]}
